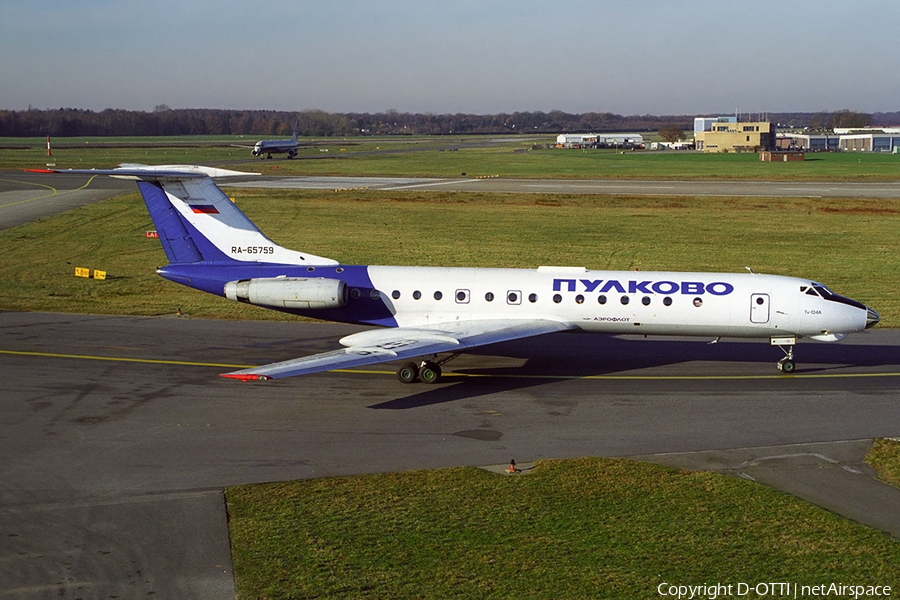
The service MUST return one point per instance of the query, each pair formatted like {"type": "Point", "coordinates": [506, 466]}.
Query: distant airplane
{"type": "Point", "coordinates": [427, 311]}
{"type": "Point", "coordinates": [270, 147]}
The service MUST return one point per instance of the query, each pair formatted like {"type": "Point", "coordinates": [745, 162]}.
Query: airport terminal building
{"type": "Point", "coordinates": [726, 134]}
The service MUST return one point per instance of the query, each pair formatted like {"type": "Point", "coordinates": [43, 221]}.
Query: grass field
{"type": "Point", "coordinates": [585, 528]}
{"type": "Point", "coordinates": [885, 458]}
{"type": "Point", "coordinates": [104, 153]}
{"type": "Point", "coordinates": [107, 152]}
{"type": "Point", "coordinates": [445, 156]}
{"type": "Point", "coordinates": [848, 244]}
{"type": "Point", "coordinates": [505, 161]}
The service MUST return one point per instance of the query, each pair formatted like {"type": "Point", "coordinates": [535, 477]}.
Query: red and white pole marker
{"type": "Point", "coordinates": [48, 146]}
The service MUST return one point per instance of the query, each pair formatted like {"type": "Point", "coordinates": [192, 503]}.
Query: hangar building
{"type": "Point", "coordinates": [870, 140]}
{"type": "Point", "coordinates": [808, 142]}
{"type": "Point", "coordinates": [885, 139]}
{"type": "Point", "coordinates": [598, 140]}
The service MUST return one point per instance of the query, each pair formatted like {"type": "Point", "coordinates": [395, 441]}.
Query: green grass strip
{"type": "Point", "coordinates": [582, 528]}
{"type": "Point", "coordinates": [446, 156]}
{"type": "Point", "coordinates": [885, 458]}
{"type": "Point", "coordinates": [848, 244]}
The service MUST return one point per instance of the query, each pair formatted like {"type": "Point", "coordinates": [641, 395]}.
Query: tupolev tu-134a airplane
{"type": "Point", "coordinates": [429, 311]}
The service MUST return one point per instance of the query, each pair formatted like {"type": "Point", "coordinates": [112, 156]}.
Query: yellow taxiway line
{"type": "Point", "coordinates": [151, 361]}
{"type": "Point", "coordinates": [53, 191]}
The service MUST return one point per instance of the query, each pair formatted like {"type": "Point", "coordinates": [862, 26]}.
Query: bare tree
{"type": "Point", "coordinates": [672, 133]}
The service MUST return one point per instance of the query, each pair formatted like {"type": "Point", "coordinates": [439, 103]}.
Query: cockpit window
{"type": "Point", "coordinates": [811, 292]}
{"type": "Point", "coordinates": [823, 291]}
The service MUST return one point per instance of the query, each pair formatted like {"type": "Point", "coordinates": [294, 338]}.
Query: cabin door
{"type": "Point", "coordinates": [759, 308]}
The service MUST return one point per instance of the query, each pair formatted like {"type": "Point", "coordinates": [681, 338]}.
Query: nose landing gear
{"type": "Point", "coordinates": [786, 364]}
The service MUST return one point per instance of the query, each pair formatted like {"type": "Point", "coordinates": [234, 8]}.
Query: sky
{"type": "Point", "coordinates": [630, 57]}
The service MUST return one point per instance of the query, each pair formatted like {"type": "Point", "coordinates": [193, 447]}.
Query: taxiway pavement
{"type": "Point", "coordinates": [119, 438]}
{"type": "Point", "coordinates": [26, 197]}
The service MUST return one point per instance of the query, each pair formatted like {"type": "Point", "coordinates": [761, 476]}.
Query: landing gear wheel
{"type": "Point", "coordinates": [430, 372]}
{"type": "Point", "coordinates": [786, 365]}
{"type": "Point", "coordinates": [408, 373]}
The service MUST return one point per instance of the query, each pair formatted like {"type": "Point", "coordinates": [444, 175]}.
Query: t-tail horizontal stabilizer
{"type": "Point", "coordinates": [196, 222]}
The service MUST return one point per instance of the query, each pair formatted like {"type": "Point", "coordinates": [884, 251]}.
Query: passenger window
{"type": "Point", "coordinates": [462, 296]}
{"type": "Point", "coordinates": [667, 301]}
{"type": "Point", "coordinates": [532, 298]}
{"type": "Point", "coordinates": [489, 297]}
{"type": "Point", "coordinates": [514, 297]}
{"type": "Point", "coordinates": [625, 300]}
{"type": "Point", "coordinates": [395, 294]}
{"type": "Point", "coordinates": [579, 299]}
{"type": "Point", "coordinates": [601, 299]}
{"type": "Point", "coordinates": [645, 300]}
{"type": "Point", "coordinates": [557, 298]}
{"type": "Point", "coordinates": [417, 294]}
{"type": "Point", "coordinates": [438, 295]}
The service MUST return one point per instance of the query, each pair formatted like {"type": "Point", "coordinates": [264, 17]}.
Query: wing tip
{"type": "Point", "coordinates": [245, 376]}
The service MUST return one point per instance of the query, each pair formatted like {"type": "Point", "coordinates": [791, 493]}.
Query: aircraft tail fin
{"type": "Point", "coordinates": [197, 222]}
{"type": "Point", "coordinates": [176, 240]}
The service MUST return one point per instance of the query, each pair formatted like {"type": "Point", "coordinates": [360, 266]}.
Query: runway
{"type": "Point", "coordinates": [26, 196]}
{"type": "Point", "coordinates": [718, 188]}
{"type": "Point", "coordinates": [118, 436]}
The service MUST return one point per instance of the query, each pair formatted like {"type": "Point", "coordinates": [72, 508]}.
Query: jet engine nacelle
{"type": "Point", "coordinates": [289, 292]}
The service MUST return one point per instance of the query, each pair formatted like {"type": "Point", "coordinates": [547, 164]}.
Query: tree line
{"type": "Point", "coordinates": [162, 121]}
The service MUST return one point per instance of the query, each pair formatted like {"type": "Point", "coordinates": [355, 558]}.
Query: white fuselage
{"type": "Point", "coordinates": [658, 303]}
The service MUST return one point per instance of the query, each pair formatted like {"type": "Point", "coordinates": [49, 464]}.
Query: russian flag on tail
{"type": "Point", "coordinates": [204, 209]}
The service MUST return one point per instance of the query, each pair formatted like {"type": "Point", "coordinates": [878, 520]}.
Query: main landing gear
{"type": "Point", "coordinates": [786, 364]}
{"type": "Point", "coordinates": [426, 371]}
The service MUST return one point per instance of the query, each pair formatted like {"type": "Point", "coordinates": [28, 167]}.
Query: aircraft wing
{"type": "Point", "coordinates": [384, 345]}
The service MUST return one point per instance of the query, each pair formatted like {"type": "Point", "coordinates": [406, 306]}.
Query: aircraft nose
{"type": "Point", "coordinates": [872, 318]}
